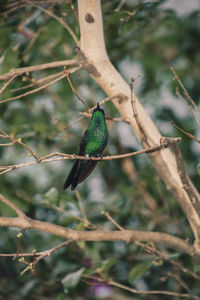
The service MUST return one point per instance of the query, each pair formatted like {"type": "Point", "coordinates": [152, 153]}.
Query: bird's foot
{"type": "Point", "coordinates": [100, 156]}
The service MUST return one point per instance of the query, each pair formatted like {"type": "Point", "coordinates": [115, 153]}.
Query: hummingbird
{"type": "Point", "coordinates": [92, 144]}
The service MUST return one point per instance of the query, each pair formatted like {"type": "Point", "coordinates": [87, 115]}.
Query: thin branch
{"type": "Point", "coordinates": [60, 20]}
{"type": "Point", "coordinates": [189, 106]}
{"type": "Point", "coordinates": [135, 115]}
{"type": "Point", "coordinates": [150, 249]}
{"type": "Point", "coordinates": [55, 64]}
{"type": "Point", "coordinates": [73, 10]}
{"type": "Point", "coordinates": [178, 279]}
{"type": "Point", "coordinates": [7, 144]}
{"type": "Point", "coordinates": [36, 82]}
{"type": "Point", "coordinates": [90, 110]}
{"type": "Point", "coordinates": [86, 221]}
{"type": "Point", "coordinates": [88, 115]}
{"type": "Point", "coordinates": [140, 292]}
{"type": "Point", "coordinates": [187, 133]}
{"type": "Point", "coordinates": [7, 84]}
{"type": "Point", "coordinates": [74, 91]}
{"type": "Point", "coordinates": [12, 206]}
{"type": "Point", "coordinates": [63, 156]}
{"type": "Point", "coordinates": [108, 216]}
{"type": "Point", "coordinates": [18, 141]}
{"type": "Point", "coordinates": [33, 91]}
{"type": "Point", "coordinates": [39, 88]}
{"type": "Point", "coordinates": [44, 254]}
{"type": "Point", "coordinates": [16, 5]}
{"type": "Point", "coordinates": [183, 88]}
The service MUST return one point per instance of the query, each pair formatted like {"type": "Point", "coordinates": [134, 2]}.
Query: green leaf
{"type": "Point", "coordinates": [138, 271]}
{"type": "Point", "coordinates": [52, 195]}
{"type": "Point", "coordinates": [10, 60]}
{"type": "Point", "coordinates": [80, 226]}
{"type": "Point", "coordinates": [117, 16]}
{"type": "Point", "coordinates": [71, 280]}
{"type": "Point", "coordinates": [108, 264]}
{"type": "Point", "coordinates": [198, 168]}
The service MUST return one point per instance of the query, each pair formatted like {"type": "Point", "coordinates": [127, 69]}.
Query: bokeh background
{"type": "Point", "coordinates": [143, 39]}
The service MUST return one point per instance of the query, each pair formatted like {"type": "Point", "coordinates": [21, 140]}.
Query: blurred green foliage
{"type": "Point", "coordinates": [143, 35]}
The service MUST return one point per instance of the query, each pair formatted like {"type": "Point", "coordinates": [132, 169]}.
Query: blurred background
{"type": "Point", "coordinates": [143, 39]}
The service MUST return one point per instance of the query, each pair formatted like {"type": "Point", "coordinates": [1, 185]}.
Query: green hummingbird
{"type": "Point", "coordinates": [92, 143]}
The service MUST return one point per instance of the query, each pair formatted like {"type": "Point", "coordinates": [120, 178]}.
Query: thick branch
{"type": "Point", "coordinates": [24, 222]}
{"type": "Point", "coordinates": [97, 235]}
{"type": "Point", "coordinates": [92, 54]}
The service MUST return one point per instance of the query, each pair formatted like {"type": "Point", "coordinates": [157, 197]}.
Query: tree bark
{"type": "Point", "coordinates": [93, 56]}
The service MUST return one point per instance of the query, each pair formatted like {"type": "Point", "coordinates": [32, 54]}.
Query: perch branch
{"type": "Point", "coordinates": [63, 156]}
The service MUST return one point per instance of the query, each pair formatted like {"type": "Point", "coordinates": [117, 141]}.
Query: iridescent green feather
{"type": "Point", "coordinates": [92, 143]}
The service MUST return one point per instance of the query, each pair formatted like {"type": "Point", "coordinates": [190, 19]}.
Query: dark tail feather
{"type": "Point", "coordinates": [86, 169]}
{"type": "Point", "coordinates": [79, 172]}
{"type": "Point", "coordinates": [71, 175]}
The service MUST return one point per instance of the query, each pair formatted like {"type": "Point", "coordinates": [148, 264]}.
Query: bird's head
{"type": "Point", "coordinates": [98, 109]}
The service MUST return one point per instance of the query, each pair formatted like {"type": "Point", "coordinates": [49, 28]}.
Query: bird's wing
{"type": "Point", "coordinates": [83, 143]}
{"type": "Point", "coordinates": [71, 175]}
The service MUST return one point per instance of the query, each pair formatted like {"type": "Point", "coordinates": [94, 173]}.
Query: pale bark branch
{"type": "Point", "coordinates": [55, 64]}
{"type": "Point", "coordinates": [93, 56]}
{"type": "Point", "coordinates": [24, 223]}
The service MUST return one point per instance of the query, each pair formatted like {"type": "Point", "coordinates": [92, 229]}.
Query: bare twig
{"type": "Point", "coordinates": [178, 279]}
{"type": "Point", "coordinates": [18, 141]}
{"type": "Point", "coordinates": [108, 216]}
{"type": "Point", "coordinates": [7, 84]}
{"type": "Point", "coordinates": [88, 115]}
{"type": "Point", "coordinates": [187, 133]}
{"type": "Point", "coordinates": [135, 115]}
{"type": "Point", "coordinates": [150, 249]}
{"type": "Point", "coordinates": [63, 156]}
{"type": "Point", "coordinates": [73, 9]}
{"type": "Point", "coordinates": [183, 88]}
{"type": "Point", "coordinates": [33, 91]}
{"type": "Point", "coordinates": [55, 64]}
{"type": "Point", "coordinates": [74, 91]}
{"type": "Point", "coordinates": [36, 82]}
{"type": "Point", "coordinates": [90, 110]}
{"type": "Point", "coordinates": [60, 20]}
{"type": "Point", "coordinates": [44, 254]}
{"type": "Point", "coordinates": [140, 292]}
{"type": "Point", "coordinates": [12, 7]}
{"type": "Point", "coordinates": [13, 206]}
{"type": "Point", "coordinates": [189, 106]}
{"type": "Point", "coordinates": [39, 88]}
{"type": "Point", "coordinates": [86, 221]}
